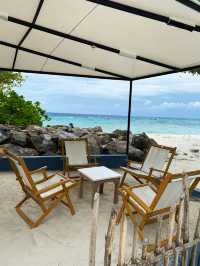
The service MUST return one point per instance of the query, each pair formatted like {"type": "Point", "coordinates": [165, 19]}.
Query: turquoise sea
{"type": "Point", "coordinates": [138, 124]}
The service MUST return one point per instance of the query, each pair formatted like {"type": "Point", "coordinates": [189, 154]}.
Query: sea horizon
{"type": "Point", "coordinates": [148, 124]}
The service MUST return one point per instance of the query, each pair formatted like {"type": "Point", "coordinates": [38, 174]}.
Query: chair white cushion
{"type": "Point", "coordinates": [76, 152]}
{"type": "Point", "coordinates": [51, 181]}
{"type": "Point", "coordinates": [156, 158]}
{"type": "Point", "coordinates": [145, 193]}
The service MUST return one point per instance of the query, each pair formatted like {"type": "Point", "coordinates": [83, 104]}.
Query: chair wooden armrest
{"type": "Point", "coordinates": [133, 186]}
{"type": "Point", "coordinates": [39, 170]}
{"type": "Point", "coordinates": [61, 182]}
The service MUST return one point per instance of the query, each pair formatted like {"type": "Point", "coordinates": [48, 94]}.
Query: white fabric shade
{"type": "Point", "coordinates": [131, 38]}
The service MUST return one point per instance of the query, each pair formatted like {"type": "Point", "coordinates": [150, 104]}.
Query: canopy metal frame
{"type": "Point", "coordinates": [113, 76]}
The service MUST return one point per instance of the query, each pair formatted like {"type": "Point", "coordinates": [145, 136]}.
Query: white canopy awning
{"type": "Point", "coordinates": [123, 39]}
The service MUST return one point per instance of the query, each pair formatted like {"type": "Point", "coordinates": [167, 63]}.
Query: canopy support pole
{"type": "Point", "coordinates": [129, 117]}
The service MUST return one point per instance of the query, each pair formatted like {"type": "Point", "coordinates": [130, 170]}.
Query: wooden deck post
{"type": "Point", "coordinates": [95, 212]}
{"type": "Point", "coordinates": [122, 241]}
{"type": "Point", "coordinates": [109, 238]}
{"type": "Point", "coordinates": [134, 244]}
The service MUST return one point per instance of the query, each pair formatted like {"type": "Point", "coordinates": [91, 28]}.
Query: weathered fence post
{"type": "Point", "coordinates": [134, 244]}
{"type": "Point", "coordinates": [185, 227]}
{"type": "Point", "coordinates": [196, 236]}
{"type": "Point", "coordinates": [95, 212]}
{"type": "Point", "coordinates": [122, 241]}
{"type": "Point", "coordinates": [109, 238]}
{"type": "Point", "coordinates": [171, 234]}
{"type": "Point", "coordinates": [158, 235]}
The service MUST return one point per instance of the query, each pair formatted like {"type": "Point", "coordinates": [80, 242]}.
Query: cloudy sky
{"type": "Point", "coordinates": [175, 95]}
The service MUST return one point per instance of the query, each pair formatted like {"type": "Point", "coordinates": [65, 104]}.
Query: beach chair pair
{"type": "Point", "coordinates": [146, 202]}
{"type": "Point", "coordinates": [154, 168]}
{"type": "Point", "coordinates": [47, 191]}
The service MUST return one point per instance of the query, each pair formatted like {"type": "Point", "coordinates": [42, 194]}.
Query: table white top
{"type": "Point", "coordinates": [99, 173]}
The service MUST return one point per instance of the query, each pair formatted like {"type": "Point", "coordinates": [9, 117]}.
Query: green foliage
{"type": "Point", "coordinates": [195, 71]}
{"type": "Point", "coordinates": [9, 80]}
{"type": "Point", "coordinates": [14, 108]}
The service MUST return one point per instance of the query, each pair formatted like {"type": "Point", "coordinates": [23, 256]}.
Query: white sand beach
{"type": "Point", "coordinates": [64, 239]}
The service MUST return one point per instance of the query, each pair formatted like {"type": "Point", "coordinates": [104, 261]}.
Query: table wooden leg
{"type": "Point", "coordinates": [101, 188]}
{"type": "Point", "coordinates": [94, 190]}
{"type": "Point", "coordinates": [81, 187]}
{"type": "Point", "coordinates": [116, 183]}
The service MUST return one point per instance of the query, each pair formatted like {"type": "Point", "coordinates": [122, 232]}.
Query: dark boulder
{"type": "Point", "coordinates": [136, 154]}
{"type": "Point", "coordinates": [21, 151]}
{"type": "Point", "coordinates": [93, 145]}
{"type": "Point", "coordinates": [43, 143]}
{"type": "Point", "coordinates": [142, 142]}
{"type": "Point", "coordinates": [19, 138]}
{"type": "Point", "coordinates": [4, 134]}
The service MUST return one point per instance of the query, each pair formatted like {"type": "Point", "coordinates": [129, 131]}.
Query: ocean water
{"type": "Point", "coordinates": [138, 124]}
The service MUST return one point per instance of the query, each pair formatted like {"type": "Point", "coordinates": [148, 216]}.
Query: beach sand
{"type": "Point", "coordinates": [63, 240]}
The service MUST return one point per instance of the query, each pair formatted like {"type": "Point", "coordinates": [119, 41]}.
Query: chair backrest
{"type": "Point", "coordinates": [158, 157]}
{"type": "Point", "coordinates": [19, 167]}
{"type": "Point", "coordinates": [169, 193]}
{"type": "Point", "coordinates": [76, 151]}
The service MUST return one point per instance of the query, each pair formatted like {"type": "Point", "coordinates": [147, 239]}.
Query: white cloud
{"type": "Point", "coordinates": [172, 105]}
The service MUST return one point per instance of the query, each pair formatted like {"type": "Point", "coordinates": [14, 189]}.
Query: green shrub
{"type": "Point", "coordinates": [14, 108]}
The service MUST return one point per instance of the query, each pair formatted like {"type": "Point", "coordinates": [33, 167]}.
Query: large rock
{"type": "Point", "coordinates": [19, 138]}
{"type": "Point", "coordinates": [104, 139]}
{"type": "Point", "coordinates": [121, 134]}
{"type": "Point", "coordinates": [93, 145]}
{"type": "Point", "coordinates": [142, 142]}
{"type": "Point", "coordinates": [4, 134]}
{"type": "Point", "coordinates": [43, 143]}
{"type": "Point", "coordinates": [115, 146]}
{"type": "Point", "coordinates": [136, 154]}
{"type": "Point", "coordinates": [21, 151]}
{"type": "Point", "coordinates": [38, 129]}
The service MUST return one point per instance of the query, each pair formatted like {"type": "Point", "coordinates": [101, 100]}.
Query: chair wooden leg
{"type": "Point", "coordinates": [119, 215]}
{"type": "Point", "coordinates": [123, 179]}
{"type": "Point", "coordinates": [22, 201]}
{"type": "Point", "coordinates": [48, 210]}
{"type": "Point", "coordinates": [70, 205]}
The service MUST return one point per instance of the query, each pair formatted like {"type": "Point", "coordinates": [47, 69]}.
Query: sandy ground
{"type": "Point", "coordinates": [63, 240]}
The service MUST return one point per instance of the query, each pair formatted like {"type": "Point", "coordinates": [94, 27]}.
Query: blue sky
{"type": "Point", "coordinates": [176, 95]}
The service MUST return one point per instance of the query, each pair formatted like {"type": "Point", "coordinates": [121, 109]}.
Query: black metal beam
{"type": "Point", "coordinates": [146, 14]}
{"type": "Point", "coordinates": [28, 31]}
{"type": "Point", "coordinates": [84, 41]}
{"type": "Point", "coordinates": [129, 117]}
{"type": "Point", "coordinates": [190, 4]}
{"type": "Point", "coordinates": [60, 59]}
{"type": "Point", "coordinates": [59, 74]}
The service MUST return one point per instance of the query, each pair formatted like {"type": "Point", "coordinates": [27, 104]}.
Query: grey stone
{"type": "Point", "coordinates": [43, 143]}
{"type": "Point", "coordinates": [4, 134]}
{"type": "Point", "coordinates": [142, 142]}
{"type": "Point", "coordinates": [21, 151]}
{"type": "Point", "coordinates": [136, 154]}
{"type": "Point", "coordinates": [93, 145]}
{"type": "Point", "coordinates": [19, 138]}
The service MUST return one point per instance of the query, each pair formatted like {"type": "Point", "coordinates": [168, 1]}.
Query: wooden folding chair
{"type": "Point", "coordinates": [54, 189]}
{"type": "Point", "coordinates": [75, 154]}
{"type": "Point", "coordinates": [154, 167]}
{"type": "Point", "coordinates": [147, 202]}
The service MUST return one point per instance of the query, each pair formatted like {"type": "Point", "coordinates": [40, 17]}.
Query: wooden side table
{"type": "Point", "coordinates": [98, 176]}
